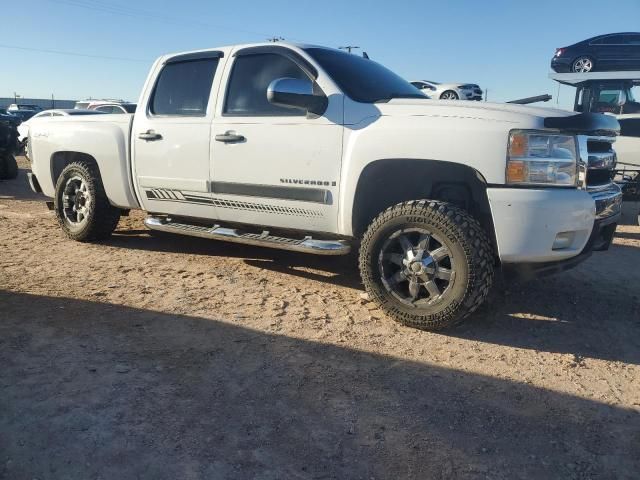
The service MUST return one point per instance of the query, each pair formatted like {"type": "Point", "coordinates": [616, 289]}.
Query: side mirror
{"type": "Point", "coordinates": [296, 93]}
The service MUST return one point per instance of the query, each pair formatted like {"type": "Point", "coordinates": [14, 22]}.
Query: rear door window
{"type": "Point", "coordinates": [183, 88]}
{"type": "Point", "coordinates": [633, 40]}
{"type": "Point", "coordinates": [615, 40]}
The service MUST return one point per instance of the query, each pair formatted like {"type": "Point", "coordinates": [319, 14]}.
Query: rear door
{"type": "Point", "coordinates": [611, 52]}
{"type": "Point", "coordinates": [171, 137]}
{"type": "Point", "coordinates": [633, 41]}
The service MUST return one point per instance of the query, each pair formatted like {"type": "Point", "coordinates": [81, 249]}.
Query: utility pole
{"type": "Point", "coordinates": [275, 39]}
{"type": "Point", "coordinates": [53, 101]}
{"type": "Point", "coordinates": [348, 48]}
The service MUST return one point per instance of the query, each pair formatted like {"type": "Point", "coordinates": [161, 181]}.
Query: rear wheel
{"type": "Point", "coordinates": [449, 95]}
{"type": "Point", "coordinates": [582, 65]}
{"type": "Point", "coordinates": [427, 264]}
{"type": "Point", "coordinates": [81, 204]}
{"type": "Point", "coordinates": [8, 167]}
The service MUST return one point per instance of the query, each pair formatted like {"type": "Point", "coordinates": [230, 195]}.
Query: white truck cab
{"type": "Point", "coordinates": [312, 149]}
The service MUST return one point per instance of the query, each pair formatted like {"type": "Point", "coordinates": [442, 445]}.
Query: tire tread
{"type": "Point", "coordinates": [474, 241]}
{"type": "Point", "coordinates": [104, 217]}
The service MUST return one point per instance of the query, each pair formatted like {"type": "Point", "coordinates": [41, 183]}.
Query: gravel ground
{"type": "Point", "coordinates": [175, 357]}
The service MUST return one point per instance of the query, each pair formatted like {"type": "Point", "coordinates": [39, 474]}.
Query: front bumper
{"type": "Point", "coordinates": [543, 226]}
{"type": "Point", "coordinates": [600, 239]}
{"type": "Point", "coordinates": [475, 94]}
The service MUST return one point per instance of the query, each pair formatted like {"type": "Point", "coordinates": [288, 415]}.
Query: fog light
{"type": "Point", "coordinates": [563, 240]}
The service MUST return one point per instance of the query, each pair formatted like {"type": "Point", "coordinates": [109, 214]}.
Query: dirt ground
{"type": "Point", "coordinates": [174, 357]}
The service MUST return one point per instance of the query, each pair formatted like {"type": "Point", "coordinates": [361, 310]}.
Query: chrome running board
{"type": "Point", "coordinates": [307, 244]}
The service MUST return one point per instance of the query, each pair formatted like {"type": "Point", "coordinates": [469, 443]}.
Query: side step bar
{"type": "Point", "coordinates": [306, 245]}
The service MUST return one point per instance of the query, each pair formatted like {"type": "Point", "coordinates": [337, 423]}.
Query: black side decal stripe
{"type": "Point", "coordinates": [315, 195]}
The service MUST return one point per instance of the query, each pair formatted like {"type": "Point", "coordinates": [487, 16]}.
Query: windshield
{"type": "Point", "coordinates": [129, 107]}
{"type": "Point", "coordinates": [363, 80]}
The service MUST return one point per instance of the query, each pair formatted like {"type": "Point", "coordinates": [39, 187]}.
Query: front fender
{"type": "Point", "coordinates": [477, 143]}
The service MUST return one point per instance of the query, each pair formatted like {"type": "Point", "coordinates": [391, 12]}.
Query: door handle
{"type": "Point", "coordinates": [230, 137]}
{"type": "Point", "coordinates": [149, 136]}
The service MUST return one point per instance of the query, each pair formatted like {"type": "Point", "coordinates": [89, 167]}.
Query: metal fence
{"type": "Point", "coordinates": [45, 103]}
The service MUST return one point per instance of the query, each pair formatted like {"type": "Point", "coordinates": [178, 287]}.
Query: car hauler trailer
{"type": "Point", "coordinates": [614, 93]}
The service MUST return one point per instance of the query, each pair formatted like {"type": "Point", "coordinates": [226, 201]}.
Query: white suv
{"type": "Point", "coordinates": [449, 91]}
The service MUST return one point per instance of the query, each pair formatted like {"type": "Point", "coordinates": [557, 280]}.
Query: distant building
{"type": "Point", "coordinates": [45, 103]}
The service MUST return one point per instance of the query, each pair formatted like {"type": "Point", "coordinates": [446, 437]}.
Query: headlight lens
{"type": "Point", "coordinates": [539, 158]}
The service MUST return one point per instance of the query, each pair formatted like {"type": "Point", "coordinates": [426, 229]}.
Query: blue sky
{"type": "Point", "coordinates": [504, 46]}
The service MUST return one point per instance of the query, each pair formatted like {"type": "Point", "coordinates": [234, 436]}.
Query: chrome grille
{"type": "Point", "coordinates": [597, 161]}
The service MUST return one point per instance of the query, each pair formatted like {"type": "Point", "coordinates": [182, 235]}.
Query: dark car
{"type": "Point", "coordinates": [8, 116]}
{"type": "Point", "coordinates": [614, 51]}
{"type": "Point", "coordinates": [8, 144]}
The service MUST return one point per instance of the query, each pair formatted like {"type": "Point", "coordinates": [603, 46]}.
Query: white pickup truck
{"type": "Point", "coordinates": [315, 150]}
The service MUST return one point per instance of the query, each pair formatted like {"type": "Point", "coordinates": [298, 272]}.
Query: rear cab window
{"type": "Point", "coordinates": [183, 86]}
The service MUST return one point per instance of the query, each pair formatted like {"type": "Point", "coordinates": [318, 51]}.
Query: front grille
{"type": "Point", "coordinates": [598, 177]}
{"type": "Point", "coordinates": [598, 159]}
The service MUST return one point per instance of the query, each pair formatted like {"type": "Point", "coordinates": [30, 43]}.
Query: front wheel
{"type": "Point", "coordinates": [427, 264]}
{"type": "Point", "coordinates": [449, 95]}
{"type": "Point", "coordinates": [81, 204]}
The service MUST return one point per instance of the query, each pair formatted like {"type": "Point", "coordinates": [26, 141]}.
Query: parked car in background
{"type": "Point", "coordinates": [614, 51]}
{"type": "Point", "coordinates": [115, 108]}
{"type": "Point", "coordinates": [9, 117]}
{"type": "Point", "coordinates": [16, 107]}
{"type": "Point", "coordinates": [8, 164]}
{"type": "Point", "coordinates": [92, 103]}
{"type": "Point", "coordinates": [23, 128]}
{"type": "Point", "coordinates": [449, 91]}
{"type": "Point", "coordinates": [23, 111]}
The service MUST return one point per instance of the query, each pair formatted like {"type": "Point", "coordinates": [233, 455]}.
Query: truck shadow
{"type": "Point", "coordinates": [91, 389]}
{"type": "Point", "coordinates": [590, 312]}
{"type": "Point", "coordinates": [339, 270]}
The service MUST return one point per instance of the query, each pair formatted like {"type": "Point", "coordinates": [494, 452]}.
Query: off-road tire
{"type": "Point", "coordinates": [468, 243]}
{"type": "Point", "coordinates": [101, 219]}
{"type": "Point", "coordinates": [8, 167]}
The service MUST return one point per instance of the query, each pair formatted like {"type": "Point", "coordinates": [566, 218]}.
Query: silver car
{"type": "Point", "coordinates": [449, 91]}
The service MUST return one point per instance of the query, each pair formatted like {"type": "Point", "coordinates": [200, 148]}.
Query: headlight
{"type": "Point", "coordinates": [539, 158]}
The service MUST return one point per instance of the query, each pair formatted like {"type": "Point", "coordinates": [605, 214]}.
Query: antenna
{"type": "Point", "coordinates": [348, 48]}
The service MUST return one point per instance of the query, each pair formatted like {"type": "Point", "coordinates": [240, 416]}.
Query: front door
{"type": "Point", "coordinates": [171, 138]}
{"type": "Point", "coordinates": [274, 166]}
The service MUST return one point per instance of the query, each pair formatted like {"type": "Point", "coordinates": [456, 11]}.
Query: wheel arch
{"type": "Point", "coordinates": [386, 182]}
{"type": "Point", "coordinates": [59, 160]}
{"type": "Point", "coordinates": [115, 183]}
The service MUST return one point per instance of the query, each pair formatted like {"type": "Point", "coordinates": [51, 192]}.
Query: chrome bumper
{"type": "Point", "coordinates": [608, 200]}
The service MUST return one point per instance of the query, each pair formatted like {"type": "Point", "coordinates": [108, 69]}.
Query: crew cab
{"type": "Point", "coordinates": [311, 149]}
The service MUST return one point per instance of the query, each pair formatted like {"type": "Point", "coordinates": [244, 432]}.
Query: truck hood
{"type": "Point", "coordinates": [407, 107]}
